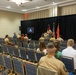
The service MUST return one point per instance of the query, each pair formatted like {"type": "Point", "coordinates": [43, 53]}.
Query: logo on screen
{"type": "Point", "coordinates": [30, 30]}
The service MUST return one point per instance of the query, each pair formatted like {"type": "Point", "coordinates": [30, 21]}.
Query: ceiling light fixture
{"type": "Point", "coordinates": [37, 7]}
{"type": "Point", "coordinates": [18, 2]}
{"type": "Point", "coordinates": [24, 10]}
{"type": "Point", "coordinates": [8, 7]}
{"type": "Point", "coordinates": [53, 3]}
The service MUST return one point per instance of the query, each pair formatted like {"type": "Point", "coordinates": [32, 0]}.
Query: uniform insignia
{"type": "Point", "coordinates": [65, 69]}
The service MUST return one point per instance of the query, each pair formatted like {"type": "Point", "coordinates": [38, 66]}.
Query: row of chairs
{"type": "Point", "coordinates": [23, 53]}
{"type": "Point", "coordinates": [15, 40]}
{"type": "Point", "coordinates": [20, 67]}
{"type": "Point", "coordinates": [28, 45]}
{"type": "Point", "coordinates": [27, 68]}
{"type": "Point", "coordinates": [17, 65]}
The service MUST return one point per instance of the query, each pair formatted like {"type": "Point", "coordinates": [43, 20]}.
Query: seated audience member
{"type": "Point", "coordinates": [60, 39]}
{"type": "Point", "coordinates": [26, 38]}
{"type": "Point", "coordinates": [58, 52]}
{"type": "Point", "coordinates": [42, 47]}
{"type": "Point", "coordinates": [41, 38]}
{"type": "Point", "coordinates": [52, 38]}
{"type": "Point", "coordinates": [46, 35]}
{"type": "Point", "coordinates": [70, 51]}
{"type": "Point", "coordinates": [7, 42]}
{"type": "Point", "coordinates": [51, 63]}
{"type": "Point", "coordinates": [14, 36]}
{"type": "Point", "coordinates": [19, 36]}
{"type": "Point", "coordinates": [22, 37]}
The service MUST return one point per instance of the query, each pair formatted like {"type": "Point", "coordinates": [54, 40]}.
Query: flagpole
{"type": "Point", "coordinates": [54, 29]}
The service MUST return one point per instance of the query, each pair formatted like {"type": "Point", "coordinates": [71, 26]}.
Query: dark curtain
{"type": "Point", "coordinates": [67, 26]}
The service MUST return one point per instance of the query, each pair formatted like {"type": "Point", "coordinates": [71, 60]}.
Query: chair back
{"type": "Point", "coordinates": [69, 63]}
{"type": "Point", "coordinates": [31, 69]}
{"type": "Point", "coordinates": [10, 50]}
{"type": "Point", "coordinates": [18, 66]}
{"type": "Point", "coordinates": [8, 62]}
{"type": "Point", "coordinates": [31, 45]}
{"type": "Point", "coordinates": [19, 44]}
{"type": "Point", "coordinates": [45, 71]}
{"type": "Point", "coordinates": [36, 46]}
{"type": "Point", "coordinates": [1, 60]}
{"type": "Point", "coordinates": [5, 48]}
{"type": "Point", "coordinates": [16, 52]}
{"type": "Point", "coordinates": [25, 45]}
{"type": "Point", "coordinates": [39, 55]}
{"type": "Point", "coordinates": [23, 53]}
{"type": "Point", "coordinates": [31, 55]}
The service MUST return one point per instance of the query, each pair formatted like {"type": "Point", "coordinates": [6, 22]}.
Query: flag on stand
{"type": "Point", "coordinates": [58, 31]}
{"type": "Point", "coordinates": [48, 27]}
{"type": "Point", "coordinates": [54, 29]}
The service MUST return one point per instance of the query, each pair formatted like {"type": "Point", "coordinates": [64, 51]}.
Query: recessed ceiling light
{"type": "Point", "coordinates": [23, 10]}
{"type": "Point", "coordinates": [53, 3]}
{"type": "Point", "coordinates": [8, 7]}
{"type": "Point", "coordinates": [37, 7]}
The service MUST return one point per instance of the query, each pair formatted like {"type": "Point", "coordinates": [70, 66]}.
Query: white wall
{"type": "Point", "coordinates": [9, 23]}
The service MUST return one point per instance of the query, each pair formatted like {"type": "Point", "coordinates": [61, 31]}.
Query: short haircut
{"type": "Point", "coordinates": [50, 45]}
{"type": "Point", "coordinates": [70, 42]}
{"type": "Point", "coordinates": [51, 48]}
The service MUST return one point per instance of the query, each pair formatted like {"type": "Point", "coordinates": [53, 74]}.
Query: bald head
{"type": "Point", "coordinates": [70, 42]}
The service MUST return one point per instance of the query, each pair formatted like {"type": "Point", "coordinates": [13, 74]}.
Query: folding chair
{"type": "Point", "coordinates": [1, 60]}
{"type": "Point", "coordinates": [36, 46]}
{"type": "Point", "coordinates": [15, 40]}
{"type": "Point", "coordinates": [18, 66]}
{"type": "Point", "coordinates": [8, 63]}
{"type": "Point", "coordinates": [16, 52]}
{"type": "Point", "coordinates": [31, 45]}
{"type": "Point", "coordinates": [31, 68]}
{"type": "Point", "coordinates": [69, 63]}
{"type": "Point", "coordinates": [19, 44]}
{"type": "Point", "coordinates": [5, 48]}
{"type": "Point", "coordinates": [39, 55]}
{"type": "Point", "coordinates": [23, 53]}
{"type": "Point", "coordinates": [63, 44]}
{"type": "Point", "coordinates": [1, 49]}
{"type": "Point", "coordinates": [31, 55]}
{"type": "Point", "coordinates": [36, 42]}
{"type": "Point", "coordinates": [62, 48]}
{"type": "Point", "coordinates": [25, 45]}
{"type": "Point", "coordinates": [2, 42]}
{"type": "Point", "coordinates": [2, 70]}
{"type": "Point", "coordinates": [10, 50]}
{"type": "Point", "coordinates": [45, 71]}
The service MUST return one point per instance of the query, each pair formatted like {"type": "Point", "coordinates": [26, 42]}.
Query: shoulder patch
{"type": "Point", "coordinates": [65, 69]}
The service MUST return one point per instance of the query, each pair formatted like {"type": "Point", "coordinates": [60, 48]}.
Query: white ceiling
{"type": "Point", "coordinates": [31, 6]}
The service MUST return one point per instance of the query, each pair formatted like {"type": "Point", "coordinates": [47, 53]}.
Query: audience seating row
{"type": "Point", "coordinates": [20, 67]}
{"type": "Point", "coordinates": [23, 53]}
